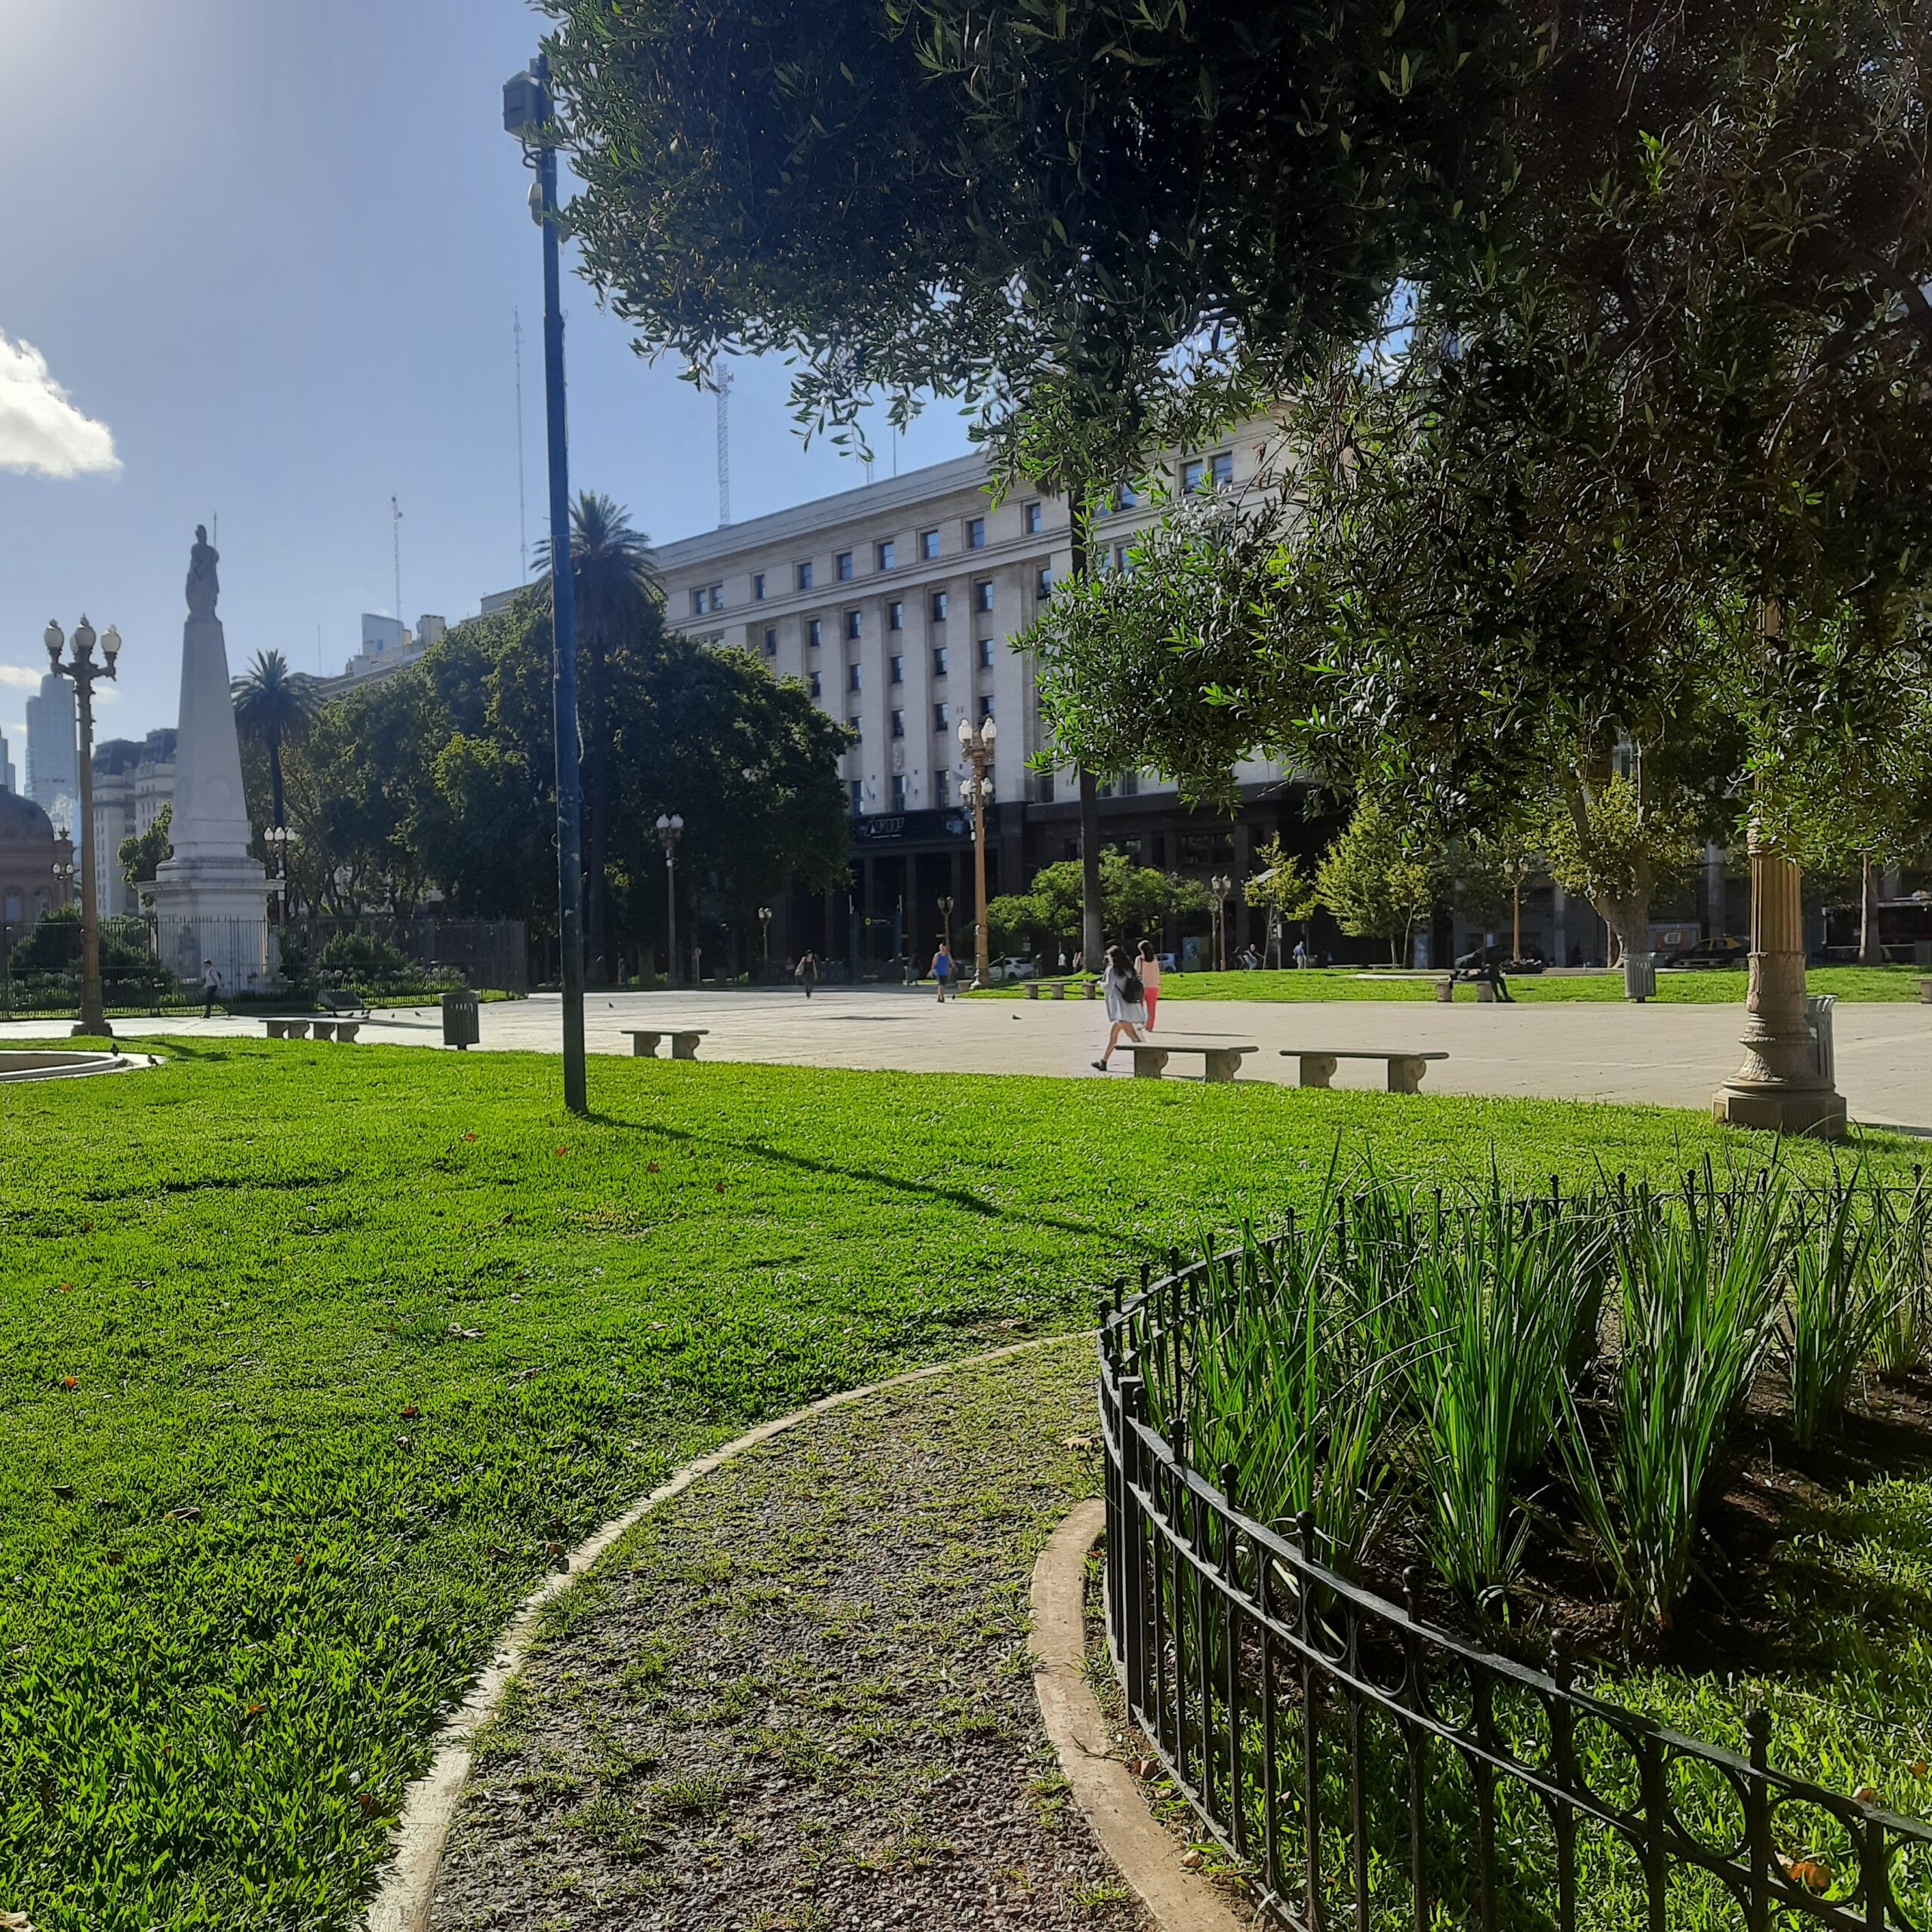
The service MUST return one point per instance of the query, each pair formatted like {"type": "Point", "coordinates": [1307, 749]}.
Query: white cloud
{"type": "Point", "coordinates": [22, 676]}
{"type": "Point", "coordinates": [41, 431]}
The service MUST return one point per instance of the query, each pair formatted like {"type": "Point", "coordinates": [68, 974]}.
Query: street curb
{"type": "Point", "coordinates": [1112, 1802]}
{"type": "Point", "coordinates": [408, 1890]}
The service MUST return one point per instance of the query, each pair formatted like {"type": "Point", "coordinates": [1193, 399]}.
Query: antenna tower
{"type": "Point", "coordinates": [724, 448]}
{"type": "Point", "coordinates": [395, 546]}
{"type": "Point", "coordinates": [522, 527]}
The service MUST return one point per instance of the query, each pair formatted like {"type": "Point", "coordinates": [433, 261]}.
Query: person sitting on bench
{"type": "Point", "coordinates": [1482, 966]}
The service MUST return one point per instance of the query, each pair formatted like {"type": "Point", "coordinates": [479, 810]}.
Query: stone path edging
{"type": "Point", "coordinates": [1104, 1790]}
{"type": "Point", "coordinates": [25, 1063]}
{"type": "Point", "coordinates": [402, 1901]}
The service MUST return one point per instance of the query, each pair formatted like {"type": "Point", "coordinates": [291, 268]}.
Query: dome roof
{"type": "Point", "coordinates": [23, 822]}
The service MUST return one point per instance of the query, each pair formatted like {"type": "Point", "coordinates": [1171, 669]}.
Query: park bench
{"type": "Point", "coordinates": [683, 1040]}
{"type": "Point", "coordinates": [1056, 988]}
{"type": "Point", "coordinates": [341, 1000]}
{"type": "Point", "coordinates": [1220, 1059]}
{"type": "Point", "coordinates": [342, 1031]}
{"type": "Point", "coordinates": [1405, 1069]}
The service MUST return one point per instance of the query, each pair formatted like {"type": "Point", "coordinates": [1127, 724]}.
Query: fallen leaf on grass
{"type": "Point", "coordinates": [67, 1381]}
{"type": "Point", "coordinates": [1918, 1768]}
{"type": "Point", "coordinates": [1813, 1874]}
{"type": "Point", "coordinates": [367, 1804]}
{"type": "Point", "coordinates": [65, 1491]}
{"type": "Point", "coordinates": [15, 1921]}
{"type": "Point", "coordinates": [465, 1334]}
{"type": "Point", "coordinates": [1866, 1794]}
{"type": "Point", "coordinates": [1080, 1442]}
{"type": "Point", "coordinates": [111, 1557]}
{"type": "Point", "coordinates": [253, 1710]}
{"type": "Point", "coordinates": [191, 1514]}
{"type": "Point", "coordinates": [409, 1412]}
{"type": "Point", "coordinates": [298, 1559]}
{"type": "Point", "coordinates": [405, 1442]}
{"type": "Point", "coordinates": [561, 1150]}
{"type": "Point", "coordinates": [651, 1167]}
{"type": "Point", "coordinates": [721, 1187]}
{"type": "Point", "coordinates": [499, 1554]}
{"type": "Point", "coordinates": [469, 1136]}
{"type": "Point", "coordinates": [1191, 1860]}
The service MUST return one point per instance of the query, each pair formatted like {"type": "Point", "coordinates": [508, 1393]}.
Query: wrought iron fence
{"type": "Point", "coordinates": [1371, 1769]}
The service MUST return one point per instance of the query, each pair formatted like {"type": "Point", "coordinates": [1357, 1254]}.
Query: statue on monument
{"type": "Point", "coordinates": [204, 586]}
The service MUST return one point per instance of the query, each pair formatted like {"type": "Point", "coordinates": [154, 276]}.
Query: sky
{"type": "Point", "coordinates": [262, 259]}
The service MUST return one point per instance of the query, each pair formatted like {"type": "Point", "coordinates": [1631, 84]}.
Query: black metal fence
{"type": "Point", "coordinates": [1371, 1770]}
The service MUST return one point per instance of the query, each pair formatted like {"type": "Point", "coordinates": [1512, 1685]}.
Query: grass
{"type": "Point", "coordinates": [1718, 986]}
{"type": "Point", "coordinates": [311, 1362]}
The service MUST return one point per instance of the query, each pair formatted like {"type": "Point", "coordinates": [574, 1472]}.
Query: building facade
{"type": "Point", "coordinates": [132, 780]}
{"type": "Point", "coordinates": [54, 757]}
{"type": "Point", "coordinates": [9, 778]}
{"type": "Point", "coordinates": [387, 646]}
{"type": "Point", "coordinates": [896, 605]}
{"type": "Point", "coordinates": [29, 850]}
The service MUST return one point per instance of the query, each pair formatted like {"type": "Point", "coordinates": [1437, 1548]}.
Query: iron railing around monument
{"type": "Point", "coordinates": [1370, 1770]}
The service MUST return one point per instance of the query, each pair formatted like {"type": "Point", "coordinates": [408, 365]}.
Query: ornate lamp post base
{"type": "Point", "coordinates": [1786, 1084]}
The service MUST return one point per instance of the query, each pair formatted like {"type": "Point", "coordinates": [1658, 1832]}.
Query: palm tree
{"type": "Point", "coordinates": [274, 707]}
{"type": "Point", "coordinates": [615, 582]}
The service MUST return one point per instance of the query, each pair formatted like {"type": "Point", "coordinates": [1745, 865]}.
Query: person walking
{"type": "Point", "coordinates": [1127, 1002]}
{"type": "Point", "coordinates": [210, 988]}
{"type": "Point", "coordinates": [942, 970]}
{"type": "Point", "coordinates": [1149, 967]}
{"type": "Point", "coordinates": [806, 972]}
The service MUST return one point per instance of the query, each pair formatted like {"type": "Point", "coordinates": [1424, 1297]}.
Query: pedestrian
{"type": "Point", "coordinates": [1127, 1002]}
{"type": "Point", "coordinates": [807, 972]}
{"type": "Point", "coordinates": [1149, 968]}
{"type": "Point", "coordinates": [210, 988]}
{"type": "Point", "coordinates": [1480, 968]}
{"type": "Point", "coordinates": [1301, 954]}
{"type": "Point", "coordinates": [943, 970]}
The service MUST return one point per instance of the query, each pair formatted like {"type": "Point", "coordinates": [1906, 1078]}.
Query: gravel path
{"type": "Point", "coordinates": [798, 1697]}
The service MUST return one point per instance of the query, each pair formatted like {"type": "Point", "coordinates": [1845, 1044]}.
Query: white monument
{"type": "Point", "coordinates": [211, 894]}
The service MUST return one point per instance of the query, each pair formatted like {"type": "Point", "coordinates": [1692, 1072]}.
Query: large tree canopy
{"type": "Point", "coordinates": [1099, 222]}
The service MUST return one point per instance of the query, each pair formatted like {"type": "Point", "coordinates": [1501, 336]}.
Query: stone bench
{"type": "Point", "coordinates": [342, 1030]}
{"type": "Point", "coordinates": [1445, 990]}
{"type": "Point", "coordinates": [1405, 1069]}
{"type": "Point", "coordinates": [683, 1040]}
{"type": "Point", "coordinates": [1220, 1059]}
{"type": "Point", "coordinates": [1056, 988]}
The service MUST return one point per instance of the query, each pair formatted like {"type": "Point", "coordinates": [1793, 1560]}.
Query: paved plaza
{"type": "Point", "coordinates": [1669, 1056]}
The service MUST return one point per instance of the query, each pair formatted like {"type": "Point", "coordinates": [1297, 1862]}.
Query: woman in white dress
{"type": "Point", "coordinates": [1127, 1002]}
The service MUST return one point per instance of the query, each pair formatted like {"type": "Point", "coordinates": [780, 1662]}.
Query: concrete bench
{"type": "Point", "coordinates": [1445, 991]}
{"type": "Point", "coordinates": [683, 1040]}
{"type": "Point", "coordinates": [341, 1000]}
{"type": "Point", "coordinates": [343, 1031]}
{"type": "Point", "coordinates": [1056, 988]}
{"type": "Point", "coordinates": [1220, 1059]}
{"type": "Point", "coordinates": [1405, 1069]}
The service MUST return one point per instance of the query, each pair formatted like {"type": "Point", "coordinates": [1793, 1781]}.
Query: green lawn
{"type": "Point", "coordinates": [307, 1357]}
{"type": "Point", "coordinates": [1718, 986]}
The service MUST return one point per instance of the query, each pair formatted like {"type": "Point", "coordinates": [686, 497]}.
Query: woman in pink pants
{"type": "Point", "coordinates": [1149, 969]}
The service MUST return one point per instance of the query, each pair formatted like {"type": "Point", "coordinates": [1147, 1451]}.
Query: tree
{"type": "Point", "coordinates": [1281, 886]}
{"type": "Point", "coordinates": [275, 707]}
{"type": "Point", "coordinates": [1608, 842]}
{"type": "Point", "coordinates": [1136, 901]}
{"type": "Point", "coordinates": [141, 855]}
{"type": "Point", "coordinates": [1378, 877]}
{"type": "Point", "coordinates": [614, 580]}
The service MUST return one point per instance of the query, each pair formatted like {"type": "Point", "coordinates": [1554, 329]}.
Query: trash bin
{"type": "Point", "coordinates": [1818, 1008]}
{"type": "Point", "coordinates": [461, 1019]}
{"type": "Point", "coordinates": [1640, 976]}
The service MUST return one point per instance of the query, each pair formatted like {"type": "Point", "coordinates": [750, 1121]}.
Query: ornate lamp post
{"type": "Point", "coordinates": [64, 872]}
{"type": "Point", "coordinates": [79, 667]}
{"type": "Point", "coordinates": [279, 839]}
{"type": "Point", "coordinates": [1220, 885]}
{"type": "Point", "coordinates": [945, 920]}
{"type": "Point", "coordinates": [975, 746]}
{"type": "Point", "coordinates": [670, 828]}
{"type": "Point", "coordinates": [764, 936]}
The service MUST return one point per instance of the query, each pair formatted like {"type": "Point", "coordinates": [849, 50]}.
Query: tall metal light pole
{"type": "Point", "coordinates": [1220, 885]}
{"type": "Point", "coordinates": [764, 936]}
{"type": "Point", "coordinates": [976, 746]}
{"type": "Point", "coordinates": [81, 670]}
{"type": "Point", "coordinates": [670, 828]}
{"type": "Point", "coordinates": [527, 113]}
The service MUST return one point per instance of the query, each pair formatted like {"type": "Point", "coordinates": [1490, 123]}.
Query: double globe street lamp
{"type": "Point", "coordinates": [670, 828]}
{"type": "Point", "coordinates": [79, 668]}
{"type": "Point", "coordinates": [1220, 885]}
{"type": "Point", "coordinates": [976, 747]}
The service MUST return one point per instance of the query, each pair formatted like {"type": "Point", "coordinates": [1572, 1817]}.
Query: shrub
{"type": "Point", "coordinates": [1834, 1309]}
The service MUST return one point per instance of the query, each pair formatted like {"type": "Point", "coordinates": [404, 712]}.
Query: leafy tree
{"type": "Point", "coordinates": [141, 855]}
{"type": "Point", "coordinates": [1136, 901]}
{"type": "Point", "coordinates": [275, 707]}
{"type": "Point", "coordinates": [615, 581]}
{"type": "Point", "coordinates": [1608, 841]}
{"type": "Point", "coordinates": [1281, 885]}
{"type": "Point", "coordinates": [1380, 877]}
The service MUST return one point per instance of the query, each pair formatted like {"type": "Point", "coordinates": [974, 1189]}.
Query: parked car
{"type": "Point", "coordinates": [1014, 968]}
{"type": "Point", "coordinates": [1727, 951]}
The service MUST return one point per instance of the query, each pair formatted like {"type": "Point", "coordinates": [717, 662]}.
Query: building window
{"type": "Point", "coordinates": [939, 660]}
{"type": "Point", "coordinates": [710, 597]}
{"type": "Point", "coordinates": [697, 603]}
{"type": "Point", "coordinates": [771, 642]}
{"type": "Point", "coordinates": [842, 563]}
{"type": "Point", "coordinates": [1043, 585]}
{"type": "Point", "coordinates": [899, 723]}
{"type": "Point", "coordinates": [1221, 469]}
{"type": "Point", "coordinates": [855, 789]}
{"type": "Point", "coordinates": [818, 690]}
{"type": "Point", "coordinates": [938, 607]}
{"type": "Point", "coordinates": [942, 790]}
{"type": "Point", "coordinates": [975, 533]}
{"type": "Point", "coordinates": [1194, 477]}
{"type": "Point", "coordinates": [858, 730]}
{"type": "Point", "coordinates": [814, 632]}
{"type": "Point", "coordinates": [1130, 784]}
{"type": "Point", "coordinates": [885, 554]}
{"type": "Point", "coordinates": [896, 670]}
{"type": "Point", "coordinates": [983, 596]}
{"type": "Point", "coordinates": [986, 654]}
{"type": "Point", "coordinates": [929, 546]}
{"type": "Point", "coordinates": [851, 677]}
{"type": "Point", "coordinates": [985, 708]}
{"type": "Point", "coordinates": [757, 586]}
{"type": "Point", "coordinates": [1127, 497]}
{"type": "Point", "coordinates": [942, 718]}
{"type": "Point", "coordinates": [1124, 558]}
{"type": "Point", "coordinates": [895, 616]}
{"type": "Point", "coordinates": [1029, 518]}
{"type": "Point", "coordinates": [854, 626]}
{"type": "Point", "coordinates": [899, 791]}
{"type": "Point", "coordinates": [1046, 788]}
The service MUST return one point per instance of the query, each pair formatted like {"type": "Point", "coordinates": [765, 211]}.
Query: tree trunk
{"type": "Point", "coordinates": [1870, 947]}
{"type": "Point", "coordinates": [1090, 939]}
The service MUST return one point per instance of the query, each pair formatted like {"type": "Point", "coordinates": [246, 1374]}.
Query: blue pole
{"type": "Point", "coordinates": [569, 789]}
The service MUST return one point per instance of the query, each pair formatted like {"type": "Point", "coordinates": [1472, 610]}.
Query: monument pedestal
{"type": "Point", "coordinates": [1782, 1087]}
{"type": "Point", "coordinates": [211, 894]}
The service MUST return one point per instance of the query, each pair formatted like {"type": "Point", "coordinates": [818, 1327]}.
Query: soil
{"type": "Point", "coordinates": [799, 1697]}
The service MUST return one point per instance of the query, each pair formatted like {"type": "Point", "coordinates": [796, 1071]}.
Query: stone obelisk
{"type": "Point", "coordinates": [211, 894]}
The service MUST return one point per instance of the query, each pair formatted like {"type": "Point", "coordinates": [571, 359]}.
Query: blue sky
{"type": "Point", "coordinates": [268, 254]}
